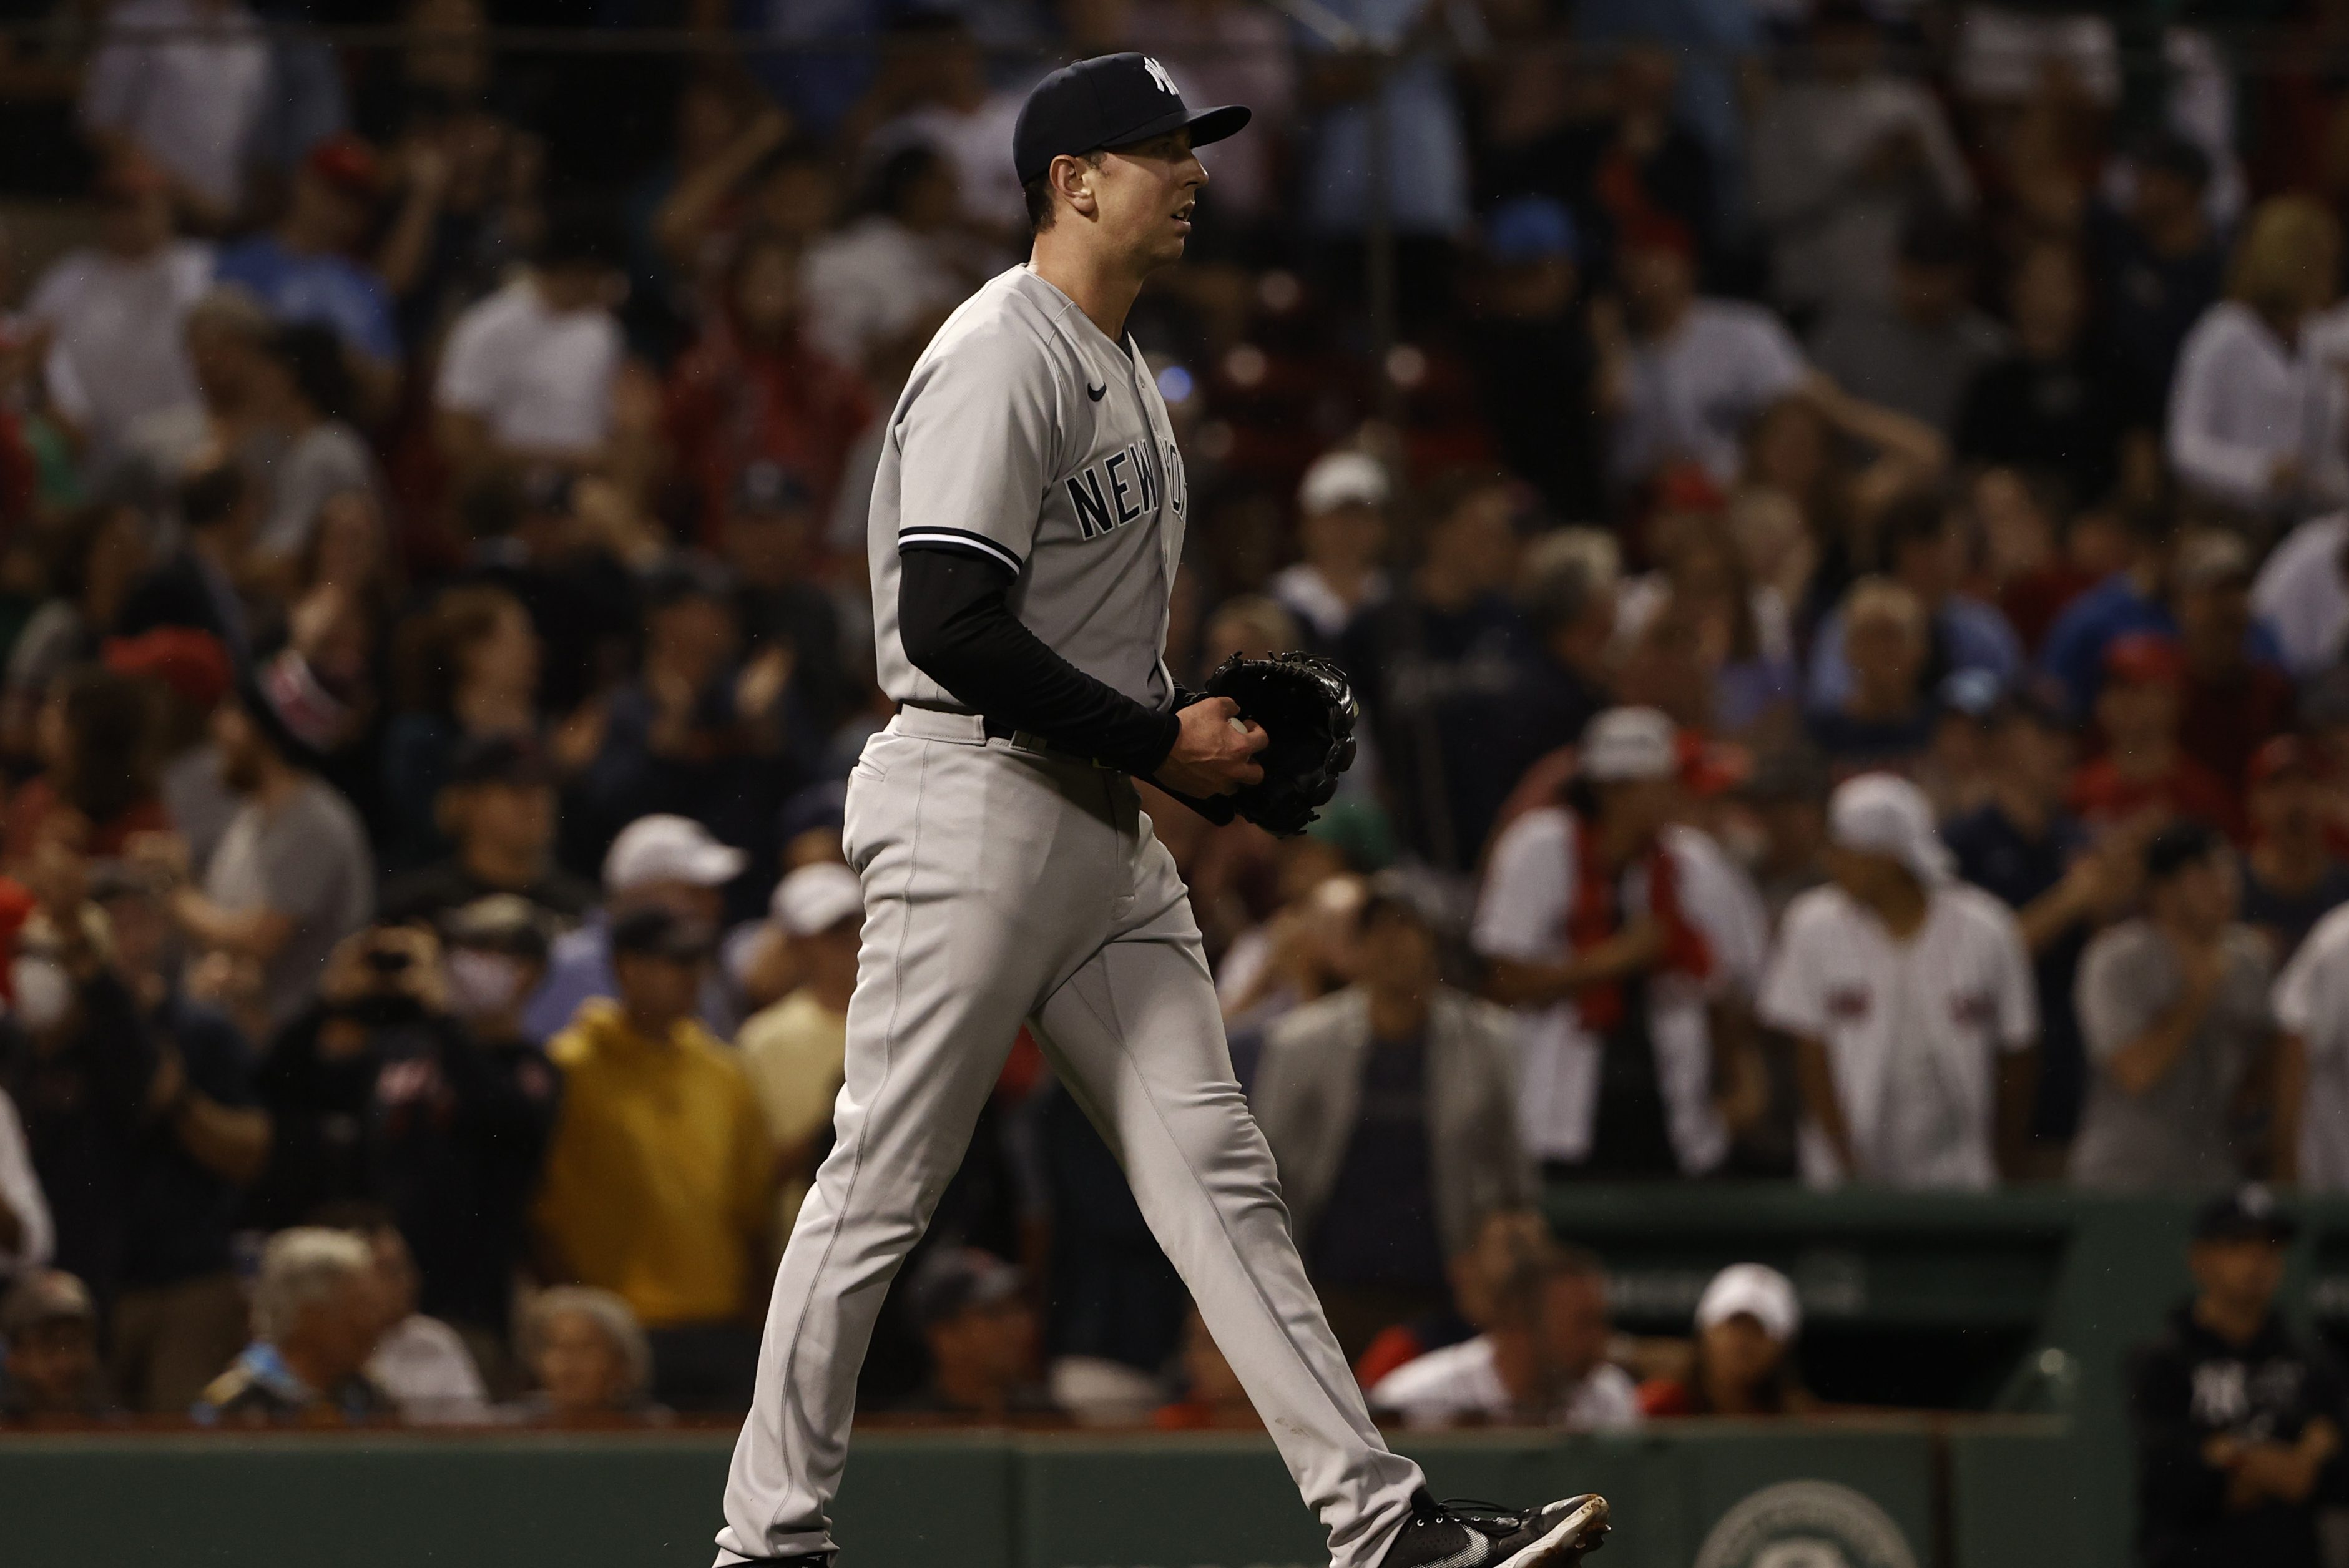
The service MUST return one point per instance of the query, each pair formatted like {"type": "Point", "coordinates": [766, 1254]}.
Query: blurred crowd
{"type": "Point", "coordinates": [1834, 513]}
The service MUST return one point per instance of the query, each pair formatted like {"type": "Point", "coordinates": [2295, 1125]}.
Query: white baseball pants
{"type": "Point", "coordinates": [1003, 885]}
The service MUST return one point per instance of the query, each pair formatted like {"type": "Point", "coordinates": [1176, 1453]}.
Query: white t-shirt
{"type": "Point", "coordinates": [1911, 1029]}
{"type": "Point", "coordinates": [1522, 914]}
{"type": "Point", "coordinates": [188, 82]}
{"type": "Point", "coordinates": [20, 1189]}
{"type": "Point", "coordinates": [117, 353]}
{"type": "Point", "coordinates": [2242, 399]}
{"type": "Point", "coordinates": [540, 378]}
{"type": "Point", "coordinates": [423, 1365]}
{"type": "Point", "coordinates": [2311, 1001]}
{"type": "Point", "coordinates": [1692, 394]}
{"type": "Point", "coordinates": [1459, 1383]}
{"type": "Point", "coordinates": [2302, 596]}
{"type": "Point", "coordinates": [870, 283]}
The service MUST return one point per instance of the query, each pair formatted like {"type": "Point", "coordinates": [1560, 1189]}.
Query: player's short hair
{"type": "Point", "coordinates": [1038, 195]}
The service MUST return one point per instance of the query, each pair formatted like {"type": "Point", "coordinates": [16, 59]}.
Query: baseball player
{"type": "Point", "coordinates": [1027, 519]}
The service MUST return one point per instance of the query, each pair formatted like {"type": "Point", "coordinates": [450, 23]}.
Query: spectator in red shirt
{"type": "Point", "coordinates": [753, 387]}
{"type": "Point", "coordinates": [2234, 700]}
{"type": "Point", "coordinates": [2143, 769]}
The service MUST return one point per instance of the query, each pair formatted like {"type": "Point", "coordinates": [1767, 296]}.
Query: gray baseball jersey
{"type": "Point", "coordinates": [1025, 435]}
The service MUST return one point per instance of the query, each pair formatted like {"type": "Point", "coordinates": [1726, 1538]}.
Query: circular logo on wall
{"type": "Point", "coordinates": [1806, 1524]}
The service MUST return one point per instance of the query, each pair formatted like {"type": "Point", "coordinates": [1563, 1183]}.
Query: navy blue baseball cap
{"type": "Point", "coordinates": [1109, 100]}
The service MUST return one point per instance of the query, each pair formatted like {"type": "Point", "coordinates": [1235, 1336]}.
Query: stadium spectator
{"type": "Point", "coordinates": [27, 1235]}
{"type": "Point", "coordinates": [98, 783]}
{"type": "Point", "coordinates": [2311, 1131]}
{"type": "Point", "coordinates": [794, 1051]}
{"type": "Point", "coordinates": [1389, 1108]}
{"type": "Point", "coordinates": [421, 1363]}
{"type": "Point", "coordinates": [315, 1321]}
{"type": "Point", "coordinates": [2024, 846]}
{"type": "Point", "coordinates": [2237, 1420]}
{"type": "Point", "coordinates": [185, 83]}
{"type": "Point", "coordinates": [1909, 997]}
{"type": "Point", "coordinates": [302, 270]}
{"type": "Point", "coordinates": [196, 588]}
{"type": "Point", "coordinates": [981, 1335]}
{"type": "Point", "coordinates": [1886, 718]}
{"type": "Point", "coordinates": [2235, 696]}
{"type": "Point", "coordinates": [115, 312]}
{"type": "Point", "coordinates": [1537, 365]}
{"type": "Point", "coordinates": [1342, 538]}
{"type": "Point", "coordinates": [659, 1182]}
{"type": "Point", "coordinates": [1839, 158]}
{"type": "Point", "coordinates": [2050, 404]}
{"type": "Point", "coordinates": [1440, 667]}
{"type": "Point", "coordinates": [1612, 936]}
{"type": "Point", "coordinates": [656, 862]}
{"type": "Point", "coordinates": [529, 374]}
{"type": "Point", "coordinates": [1212, 1398]}
{"type": "Point", "coordinates": [498, 809]}
{"type": "Point", "coordinates": [306, 392]}
{"type": "Point", "coordinates": [2173, 1009]}
{"type": "Point", "coordinates": [1567, 585]}
{"type": "Point", "coordinates": [2292, 877]}
{"type": "Point", "coordinates": [50, 1372]}
{"type": "Point", "coordinates": [2145, 771]}
{"type": "Point", "coordinates": [883, 278]}
{"type": "Point", "coordinates": [756, 388]}
{"type": "Point", "coordinates": [1746, 1323]}
{"type": "Point", "coordinates": [589, 1357]}
{"type": "Point", "coordinates": [468, 672]}
{"type": "Point", "coordinates": [2250, 419]}
{"type": "Point", "coordinates": [179, 1311]}
{"type": "Point", "coordinates": [98, 558]}
{"type": "Point", "coordinates": [770, 537]}
{"type": "Point", "coordinates": [1541, 1360]}
{"type": "Point", "coordinates": [2162, 263]}
{"type": "Point", "coordinates": [1743, 643]}
{"type": "Point", "coordinates": [1699, 370]}
{"type": "Point", "coordinates": [1916, 352]}
{"type": "Point", "coordinates": [292, 875]}
{"type": "Point", "coordinates": [1923, 552]}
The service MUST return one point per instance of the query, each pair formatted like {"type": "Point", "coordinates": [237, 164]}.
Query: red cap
{"type": "Point", "coordinates": [2143, 657]}
{"type": "Point", "coordinates": [348, 164]}
{"type": "Point", "coordinates": [191, 663]}
{"type": "Point", "coordinates": [2284, 754]}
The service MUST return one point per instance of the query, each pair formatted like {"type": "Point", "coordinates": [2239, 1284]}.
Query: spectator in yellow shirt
{"type": "Point", "coordinates": [794, 1050]}
{"type": "Point", "coordinates": [659, 1183]}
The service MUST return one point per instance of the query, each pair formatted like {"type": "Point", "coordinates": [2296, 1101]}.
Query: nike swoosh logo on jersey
{"type": "Point", "coordinates": [1094, 392]}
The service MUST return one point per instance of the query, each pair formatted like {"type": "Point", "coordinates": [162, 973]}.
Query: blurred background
{"type": "Point", "coordinates": [1906, 1127]}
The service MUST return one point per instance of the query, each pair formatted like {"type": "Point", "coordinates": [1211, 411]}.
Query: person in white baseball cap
{"type": "Point", "coordinates": [665, 862]}
{"type": "Point", "coordinates": [1909, 997]}
{"type": "Point", "coordinates": [1746, 1323]}
{"type": "Point", "coordinates": [1341, 534]}
{"type": "Point", "coordinates": [794, 1051]}
{"type": "Point", "coordinates": [1613, 933]}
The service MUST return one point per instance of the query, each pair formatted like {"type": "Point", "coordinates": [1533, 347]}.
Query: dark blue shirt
{"type": "Point", "coordinates": [1378, 1227]}
{"type": "Point", "coordinates": [2002, 859]}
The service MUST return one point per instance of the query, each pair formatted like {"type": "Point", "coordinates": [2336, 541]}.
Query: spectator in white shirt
{"type": "Point", "coordinates": [1909, 997]}
{"type": "Point", "coordinates": [1698, 370]}
{"type": "Point", "coordinates": [115, 312]}
{"type": "Point", "coordinates": [1541, 1360]}
{"type": "Point", "coordinates": [2303, 595]}
{"type": "Point", "coordinates": [529, 372]}
{"type": "Point", "coordinates": [26, 1237]}
{"type": "Point", "coordinates": [1623, 942]}
{"type": "Point", "coordinates": [2312, 1008]}
{"type": "Point", "coordinates": [185, 82]}
{"type": "Point", "coordinates": [935, 64]}
{"type": "Point", "coordinates": [2254, 421]}
{"type": "Point", "coordinates": [892, 272]}
{"type": "Point", "coordinates": [1341, 532]}
{"type": "Point", "coordinates": [1838, 160]}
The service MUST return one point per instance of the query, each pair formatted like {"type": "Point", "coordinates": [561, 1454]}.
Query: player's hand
{"type": "Point", "coordinates": [1211, 754]}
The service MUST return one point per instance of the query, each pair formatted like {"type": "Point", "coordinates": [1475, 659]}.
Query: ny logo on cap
{"type": "Point", "coordinates": [1158, 74]}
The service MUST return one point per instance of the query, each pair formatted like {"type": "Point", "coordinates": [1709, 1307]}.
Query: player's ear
{"type": "Point", "coordinates": [1071, 180]}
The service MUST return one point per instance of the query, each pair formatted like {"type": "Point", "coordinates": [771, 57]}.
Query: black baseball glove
{"type": "Point", "coordinates": [1306, 709]}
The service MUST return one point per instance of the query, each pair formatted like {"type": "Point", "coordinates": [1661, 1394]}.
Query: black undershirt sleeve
{"type": "Point", "coordinates": [955, 621]}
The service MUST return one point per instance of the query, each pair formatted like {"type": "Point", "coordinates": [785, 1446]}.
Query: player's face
{"type": "Point", "coordinates": [1144, 194]}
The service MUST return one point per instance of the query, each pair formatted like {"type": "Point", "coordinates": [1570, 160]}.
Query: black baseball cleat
{"type": "Point", "coordinates": [1479, 1535]}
